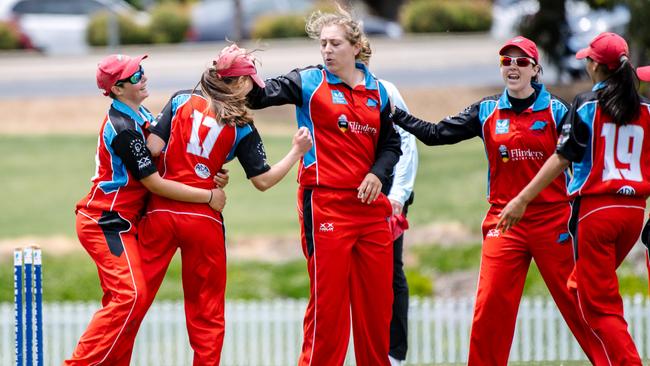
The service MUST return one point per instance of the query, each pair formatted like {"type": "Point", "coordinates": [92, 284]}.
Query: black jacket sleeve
{"type": "Point", "coordinates": [575, 134]}
{"type": "Point", "coordinates": [163, 125]}
{"type": "Point", "coordinates": [251, 155]}
{"type": "Point", "coordinates": [285, 89]}
{"type": "Point", "coordinates": [388, 148]}
{"type": "Point", "coordinates": [450, 130]}
{"type": "Point", "coordinates": [132, 149]}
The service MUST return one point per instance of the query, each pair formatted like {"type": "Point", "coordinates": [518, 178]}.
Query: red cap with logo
{"type": "Point", "coordinates": [234, 61]}
{"type": "Point", "coordinates": [606, 49]}
{"type": "Point", "coordinates": [114, 68]}
{"type": "Point", "coordinates": [643, 73]}
{"type": "Point", "coordinates": [528, 47]}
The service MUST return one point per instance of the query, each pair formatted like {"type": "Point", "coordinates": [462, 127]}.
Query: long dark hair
{"type": "Point", "coordinates": [619, 98]}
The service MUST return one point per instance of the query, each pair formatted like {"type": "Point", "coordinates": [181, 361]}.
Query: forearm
{"type": "Point", "coordinates": [175, 190]}
{"type": "Point", "coordinates": [278, 171]}
{"type": "Point", "coordinates": [549, 171]}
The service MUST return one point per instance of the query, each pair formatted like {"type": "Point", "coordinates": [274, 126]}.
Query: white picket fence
{"type": "Point", "coordinates": [269, 333]}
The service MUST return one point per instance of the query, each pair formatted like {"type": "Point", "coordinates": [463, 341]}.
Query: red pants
{"type": "Point", "coordinates": [111, 242]}
{"type": "Point", "coordinates": [349, 251]}
{"type": "Point", "coordinates": [541, 235]}
{"type": "Point", "coordinates": [608, 228]}
{"type": "Point", "coordinates": [200, 238]}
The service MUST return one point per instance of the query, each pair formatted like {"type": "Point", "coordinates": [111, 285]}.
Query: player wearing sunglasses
{"type": "Point", "coordinates": [108, 216]}
{"type": "Point", "coordinates": [605, 139]}
{"type": "Point", "coordinates": [519, 128]}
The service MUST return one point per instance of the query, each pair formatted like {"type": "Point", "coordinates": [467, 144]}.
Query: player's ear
{"type": "Point", "coordinates": [116, 90]}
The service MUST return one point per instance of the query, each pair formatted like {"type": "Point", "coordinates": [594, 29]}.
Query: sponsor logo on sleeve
{"type": "Point", "coordinates": [503, 126]}
{"type": "Point", "coordinates": [338, 97]}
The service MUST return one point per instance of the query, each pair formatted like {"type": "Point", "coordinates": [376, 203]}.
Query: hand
{"type": "Point", "coordinates": [511, 214]}
{"type": "Point", "coordinates": [218, 200]}
{"type": "Point", "coordinates": [369, 189]}
{"type": "Point", "coordinates": [397, 207]}
{"type": "Point", "coordinates": [302, 141]}
{"type": "Point", "coordinates": [221, 178]}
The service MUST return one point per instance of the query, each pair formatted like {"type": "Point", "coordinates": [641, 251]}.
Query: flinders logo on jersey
{"type": "Point", "coordinates": [519, 154]}
{"type": "Point", "coordinates": [503, 126]}
{"type": "Point", "coordinates": [355, 127]}
{"type": "Point", "coordinates": [343, 123]}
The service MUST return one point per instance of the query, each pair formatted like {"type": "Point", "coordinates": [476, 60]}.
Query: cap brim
{"type": "Point", "coordinates": [643, 73]}
{"type": "Point", "coordinates": [506, 47]}
{"type": "Point", "coordinates": [258, 80]}
{"type": "Point", "coordinates": [132, 66]}
{"type": "Point", "coordinates": [583, 53]}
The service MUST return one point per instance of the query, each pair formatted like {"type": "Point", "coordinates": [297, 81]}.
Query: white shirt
{"type": "Point", "coordinates": [407, 166]}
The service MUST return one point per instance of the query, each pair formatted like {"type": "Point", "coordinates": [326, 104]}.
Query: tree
{"type": "Point", "coordinates": [549, 29]}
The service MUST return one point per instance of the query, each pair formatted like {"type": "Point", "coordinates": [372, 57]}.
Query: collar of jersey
{"type": "Point", "coordinates": [599, 85]}
{"type": "Point", "coordinates": [133, 114]}
{"type": "Point", "coordinates": [542, 102]}
{"type": "Point", "coordinates": [371, 83]}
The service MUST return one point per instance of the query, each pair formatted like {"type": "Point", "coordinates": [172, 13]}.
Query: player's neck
{"type": "Point", "coordinates": [135, 106]}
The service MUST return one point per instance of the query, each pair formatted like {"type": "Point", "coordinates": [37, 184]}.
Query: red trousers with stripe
{"type": "Point", "coordinates": [608, 227]}
{"type": "Point", "coordinates": [349, 251]}
{"type": "Point", "coordinates": [200, 238]}
{"type": "Point", "coordinates": [542, 235]}
{"type": "Point", "coordinates": [111, 241]}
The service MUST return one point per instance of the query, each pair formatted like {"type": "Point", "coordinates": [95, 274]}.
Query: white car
{"type": "Point", "coordinates": [59, 26]}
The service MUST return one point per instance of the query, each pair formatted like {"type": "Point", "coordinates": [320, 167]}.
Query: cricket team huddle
{"type": "Point", "coordinates": [567, 187]}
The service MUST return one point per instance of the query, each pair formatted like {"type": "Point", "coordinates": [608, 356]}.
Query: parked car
{"type": "Point", "coordinates": [584, 24]}
{"type": "Point", "coordinates": [59, 26]}
{"type": "Point", "coordinates": [213, 20]}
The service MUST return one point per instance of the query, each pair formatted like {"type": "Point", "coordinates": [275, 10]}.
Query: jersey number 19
{"type": "Point", "coordinates": [622, 144]}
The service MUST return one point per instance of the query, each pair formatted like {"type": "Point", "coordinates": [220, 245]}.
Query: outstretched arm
{"type": "Point", "coordinates": [301, 143]}
{"type": "Point", "coordinates": [515, 209]}
{"type": "Point", "coordinates": [450, 130]}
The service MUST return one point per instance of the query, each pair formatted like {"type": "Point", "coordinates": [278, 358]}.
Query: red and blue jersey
{"type": "Point", "coordinates": [608, 159]}
{"type": "Point", "coordinates": [122, 159]}
{"type": "Point", "coordinates": [197, 145]}
{"type": "Point", "coordinates": [352, 132]}
{"type": "Point", "coordinates": [516, 144]}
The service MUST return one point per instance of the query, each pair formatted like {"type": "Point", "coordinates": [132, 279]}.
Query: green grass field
{"type": "Point", "coordinates": [44, 176]}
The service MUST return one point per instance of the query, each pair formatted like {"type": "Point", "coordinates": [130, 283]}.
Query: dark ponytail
{"type": "Point", "coordinates": [619, 98]}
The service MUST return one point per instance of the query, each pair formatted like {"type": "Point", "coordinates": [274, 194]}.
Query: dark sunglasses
{"type": "Point", "coordinates": [133, 79]}
{"type": "Point", "coordinates": [517, 61]}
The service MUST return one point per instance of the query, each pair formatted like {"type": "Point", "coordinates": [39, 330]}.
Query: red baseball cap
{"type": "Point", "coordinates": [116, 67]}
{"type": "Point", "coordinates": [643, 73]}
{"type": "Point", "coordinates": [607, 49]}
{"type": "Point", "coordinates": [234, 61]}
{"type": "Point", "coordinates": [528, 47]}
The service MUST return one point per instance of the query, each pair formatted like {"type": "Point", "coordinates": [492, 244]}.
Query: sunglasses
{"type": "Point", "coordinates": [133, 79]}
{"type": "Point", "coordinates": [517, 61]}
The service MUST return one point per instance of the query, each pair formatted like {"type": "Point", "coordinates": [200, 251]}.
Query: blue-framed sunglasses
{"type": "Point", "coordinates": [133, 79]}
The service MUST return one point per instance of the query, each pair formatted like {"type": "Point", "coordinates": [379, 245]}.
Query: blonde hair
{"type": "Point", "coordinates": [226, 97]}
{"type": "Point", "coordinates": [353, 29]}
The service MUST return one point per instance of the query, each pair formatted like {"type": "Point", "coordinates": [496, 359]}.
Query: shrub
{"type": "Point", "coordinates": [9, 38]}
{"type": "Point", "coordinates": [169, 23]}
{"type": "Point", "coordinates": [129, 31]}
{"type": "Point", "coordinates": [279, 26]}
{"type": "Point", "coordinates": [424, 16]}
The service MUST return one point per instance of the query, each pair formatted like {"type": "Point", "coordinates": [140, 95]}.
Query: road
{"type": "Point", "coordinates": [416, 61]}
